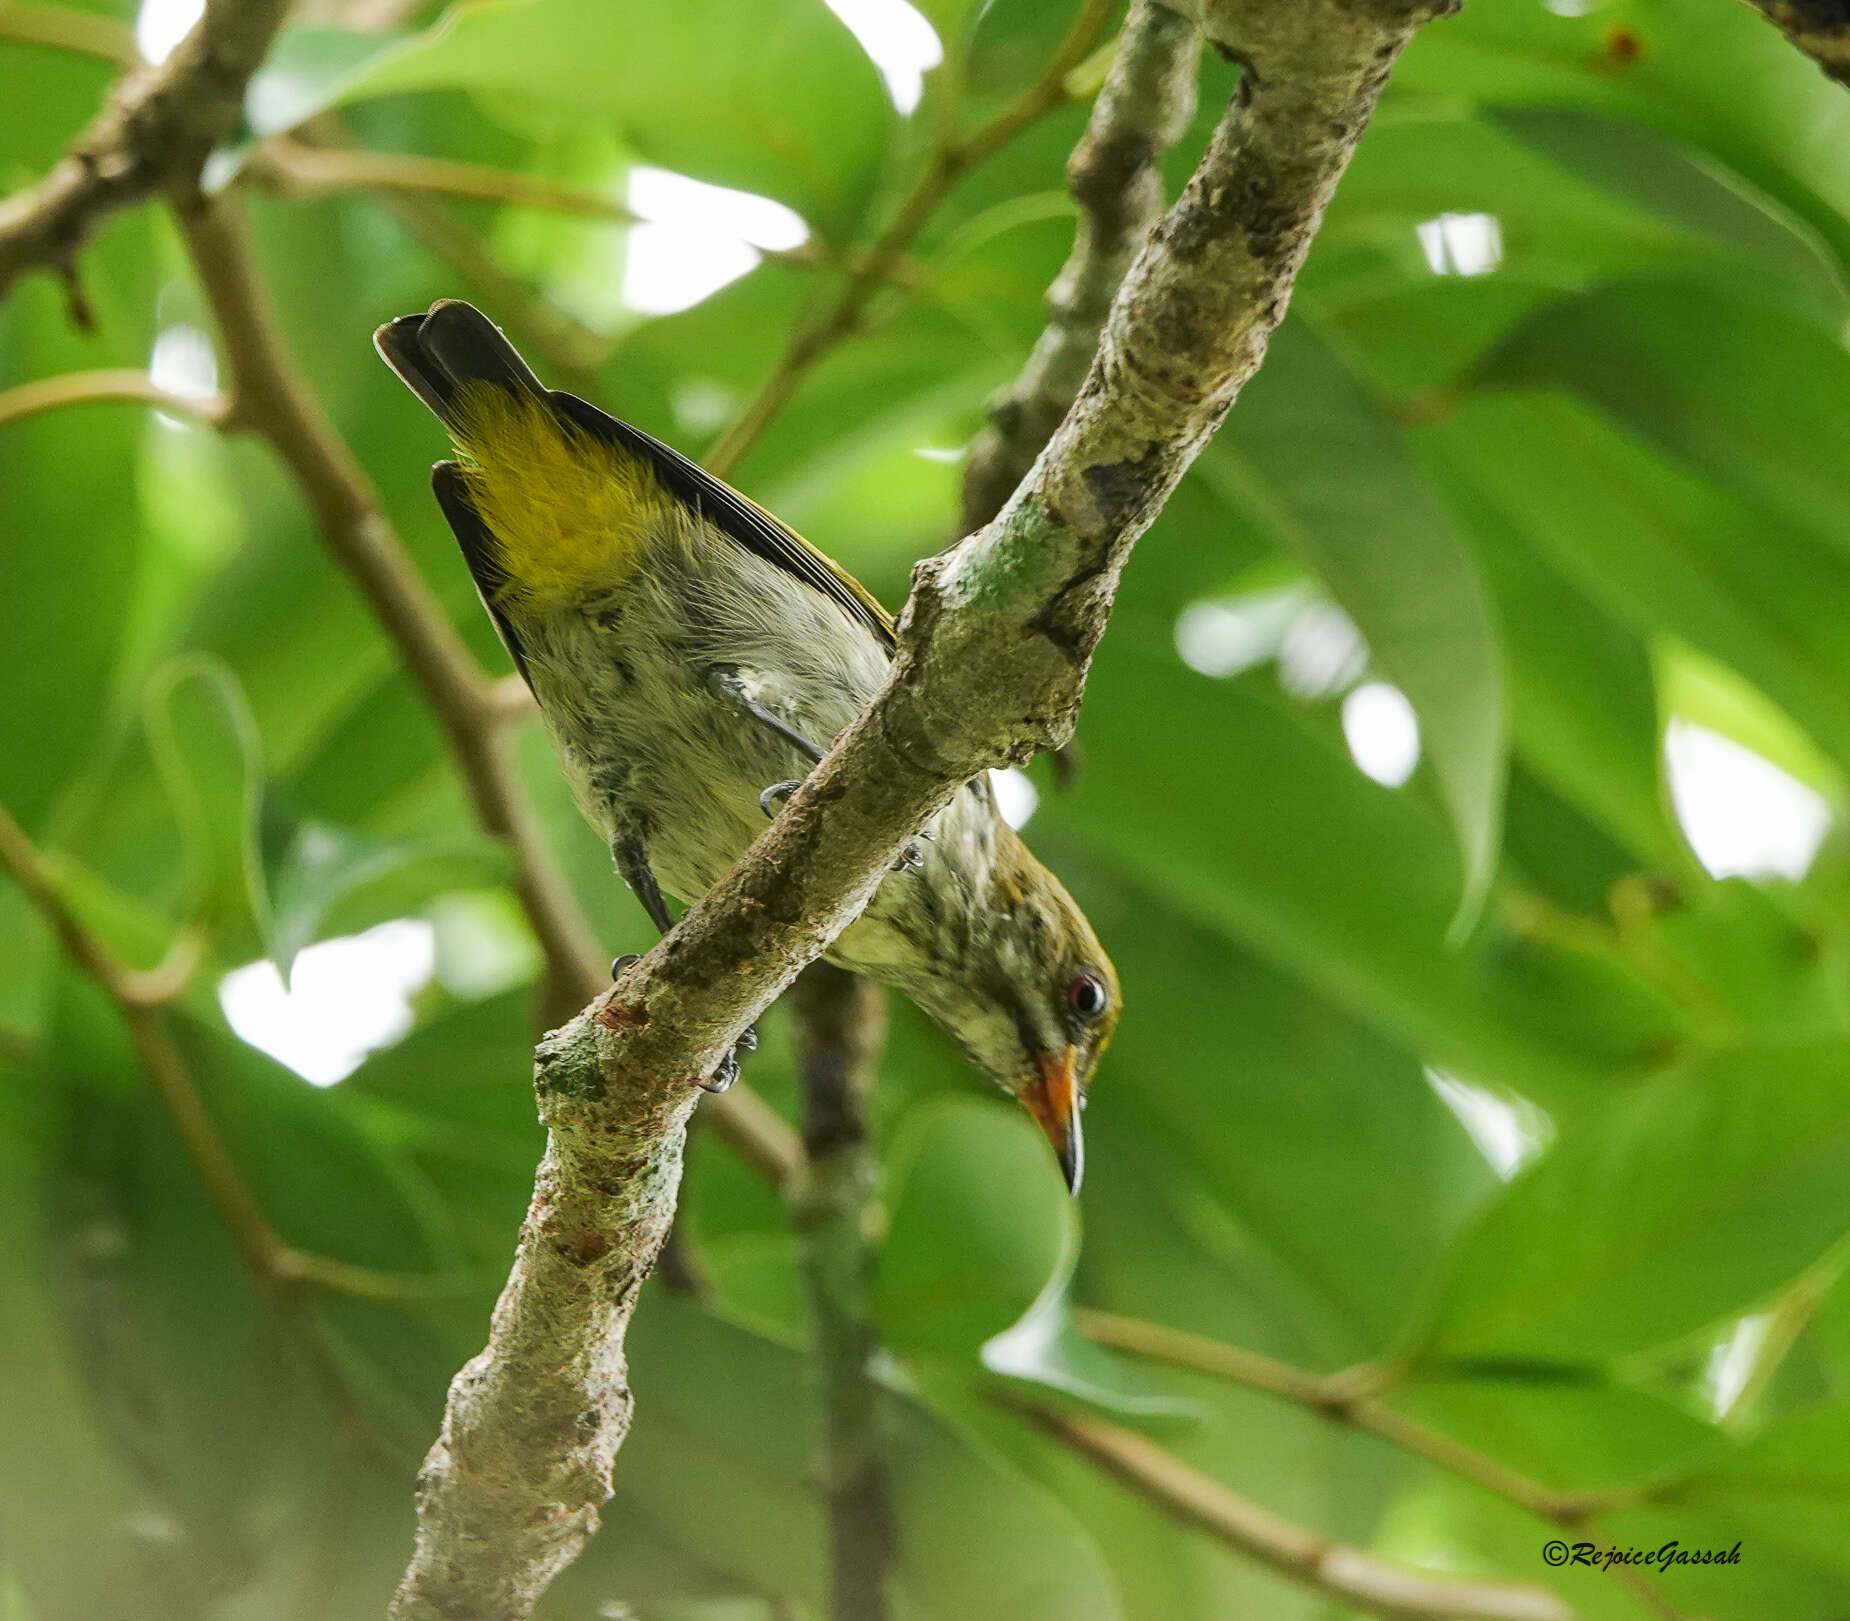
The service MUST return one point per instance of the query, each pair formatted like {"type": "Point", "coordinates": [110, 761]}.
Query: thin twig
{"type": "Point", "coordinates": [317, 170]}
{"type": "Point", "coordinates": [1115, 175]}
{"type": "Point", "coordinates": [841, 1025]}
{"type": "Point", "coordinates": [1348, 1575]}
{"type": "Point", "coordinates": [65, 28]}
{"type": "Point", "coordinates": [139, 997]}
{"type": "Point", "coordinates": [948, 162]}
{"type": "Point", "coordinates": [155, 132]}
{"type": "Point", "coordinates": [89, 387]}
{"type": "Point", "coordinates": [1352, 1397]}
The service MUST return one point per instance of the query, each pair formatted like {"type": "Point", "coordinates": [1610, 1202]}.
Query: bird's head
{"type": "Point", "coordinates": [1031, 995]}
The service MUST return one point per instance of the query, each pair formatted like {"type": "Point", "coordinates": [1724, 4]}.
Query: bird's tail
{"type": "Point", "coordinates": [449, 353]}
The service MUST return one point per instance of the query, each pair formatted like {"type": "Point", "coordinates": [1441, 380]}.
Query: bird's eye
{"type": "Point", "coordinates": [1087, 996]}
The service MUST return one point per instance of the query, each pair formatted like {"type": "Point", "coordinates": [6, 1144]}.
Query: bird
{"type": "Point", "coordinates": [692, 657]}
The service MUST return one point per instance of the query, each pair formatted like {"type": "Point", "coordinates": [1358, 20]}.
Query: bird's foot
{"type": "Point", "coordinates": [728, 1070]}
{"type": "Point", "coordinates": [912, 858]}
{"type": "Point", "coordinates": [776, 794]}
{"type": "Point", "coordinates": [618, 964]}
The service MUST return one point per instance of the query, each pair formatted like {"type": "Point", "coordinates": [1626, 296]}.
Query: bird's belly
{"type": "Point", "coordinates": [679, 767]}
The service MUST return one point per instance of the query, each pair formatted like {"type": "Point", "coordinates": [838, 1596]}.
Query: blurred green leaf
{"type": "Point", "coordinates": [980, 1224]}
{"type": "Point", "coordinates": [1390, 558]}
{"type": "Point", "coordinates": [1691, 1198]}
{"type": "Point", "coordinates": [324, 879]}
{"type": "Point", "coordinates": [790, 108]}
{"type": "Point", "coordinates": [1790, 1485]}
{"type": "Point", "coordinates": [1662, 547]}
{"type": "Point", "coordinates": [205, 745]}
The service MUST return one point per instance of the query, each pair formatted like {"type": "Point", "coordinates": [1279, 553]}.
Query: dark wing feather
{"type": "Point", "coordinates": [479, 552]}
{"type": "Point", "coordinates": [738, 517]}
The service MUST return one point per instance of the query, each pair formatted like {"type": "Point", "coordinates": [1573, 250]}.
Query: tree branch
{"type": "Point", "coordinates": [510, 1492]}
{"type": "Point", "coordinates": [948, 162]}
{"type": "Point", "coordinates": [1352, 1397]}
{"type": "Point", "coordinates": [1115, 175]}
{"type": "Point", "coordinates": [155, 133]}
{"type": "Point", "coordinates": [1346, 1574]}
{"type": "Point", "coordinates": [841, 1025]}
{"type": "Point", "coordinates": [1819, 28]}
{"type": "Point", "coordinates": [991, 663]}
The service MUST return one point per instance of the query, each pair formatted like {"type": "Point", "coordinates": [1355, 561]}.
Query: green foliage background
{"type": "Point", "coordinates": [1605, 482]}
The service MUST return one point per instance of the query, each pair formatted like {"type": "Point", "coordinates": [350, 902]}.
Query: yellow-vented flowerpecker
{"type": "Point", "coordinates": [691, 655]}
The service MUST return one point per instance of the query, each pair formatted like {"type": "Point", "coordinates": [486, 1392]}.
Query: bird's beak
{"type": "Point", "coordinates": [1053, 1100]}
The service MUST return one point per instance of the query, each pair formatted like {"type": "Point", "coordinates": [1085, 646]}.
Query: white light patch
{"type": "Point", "coordinates": [1382, 732]}
{"type": "Point", "coordinates": [950, 455]}
{"type": "Point", "coordinates": [1507, 1130]}
{"type": "Point", "coordinates": [162, 24]}
{"type": "Point", "coordinates": [898, 40]}
{"type": "Point", "coordinates": [182, 363]}
{"type": "Point", "coordinates": [1572, 8]}
{"type": "Point", "coordinates": [1016, 796]}
{"type": "Point", "coordinates": [1731, 1364]}
{"type": "Point", "coordinates": [347, 997]}
{"type": "Point", "coordinates": [695, 238]}
{"type": "Point", "coordinates": [1322, 653]}
{"type": "Point", "coordinates": [1229, 636]}
{"type": "Point", "coordinates": [1461, 244]}
{"type": "Point", "coordinates": [1742, 815]}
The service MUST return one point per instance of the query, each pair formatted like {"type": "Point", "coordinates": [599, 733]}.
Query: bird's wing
{"type": "Point", "coordinates": [479, 552]}
{"type": "Point", "coordinates": [736, 516]}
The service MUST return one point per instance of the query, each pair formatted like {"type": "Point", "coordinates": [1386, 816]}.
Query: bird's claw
{"type": "Point", "coordinates": [728, 1071]}
{"type": "Point", "coordinates": [627, 960]}
{"type": "Point", "coordinates": [776, 794]}
{"type": "Point", "coordinates": [911, 859]}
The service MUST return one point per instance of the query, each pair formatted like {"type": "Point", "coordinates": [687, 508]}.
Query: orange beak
{"type": "Point", "coordinates": [1053, 1100]}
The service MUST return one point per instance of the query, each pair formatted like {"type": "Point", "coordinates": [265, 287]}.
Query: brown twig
{"type": "Point", "coordinates": [951, 159]}
{"type": "Point", "coordinates": [1353, 1397]}
{"type": "Point", "coordinates": [315, 171]}
{"type": "Point", "coordinates": [1348, 1575]}
{"type": "Point", "coordinates": [155, 133]}
{"type": "Point", "coordinates": [90, 387]}
{"type": "Point", "coordinates": [841, 1025]}
{"type": "Point", "coordinates": [991, 663]}
{"type": "Point", "coordinates": [65, 28]}
{"type": "Point", "coordinates": [1115, 176]}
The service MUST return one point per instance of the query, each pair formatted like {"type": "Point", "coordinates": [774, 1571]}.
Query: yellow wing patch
{"type": "Point", "coordinates": [567, 511]}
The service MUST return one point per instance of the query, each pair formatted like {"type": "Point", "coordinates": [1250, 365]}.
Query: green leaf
{"type": "Point", "coordinates": [205, 746]}
{"type": "Point", "coordinates": [785, 104]}
{"type": "Point", "coordinates": [324, 879]}
{"type": "Point", "coordinates": [980, 1225]}
{"type": "Point", "coordinates": [1790, 1484]}
{"type": "Point", "coordinates": [1583, 701]}
{"type": "Point", "coordinates": [1330, 467]}
{"type": "Point", "coordinates": [1044, 1349]}
{"type": "Point", "coordinates": [1661, 547]}
{"type": "Point", "coordinates": [1752, 399]}
{"type": "Point", "coordinates": [1687, 189]}
{"type": "Point", "coordinates": [1687, 1201]}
